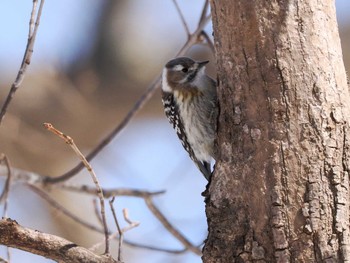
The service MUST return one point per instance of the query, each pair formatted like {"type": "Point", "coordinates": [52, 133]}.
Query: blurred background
{"type": "Point", "coordinates": [92, 60]}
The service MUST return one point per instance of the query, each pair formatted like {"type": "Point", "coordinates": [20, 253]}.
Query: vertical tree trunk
{"type": "Point", "coordinates": [280, 191]}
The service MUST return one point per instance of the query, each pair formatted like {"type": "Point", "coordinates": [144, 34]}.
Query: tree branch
{"type": "Point", "coordinates": [50, 246]}
{"type": "Point", "coordinates": [71, 143]}
{"type": "Point", "coordinates": [33, 29]}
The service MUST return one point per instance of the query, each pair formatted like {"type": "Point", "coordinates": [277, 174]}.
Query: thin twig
{"type": "Point", "coordinates": [108, 193]}
{"type": "Point", "coordinates": [32, 19]}
{"type": "Point", "coordinates": [170, 227]}
{"type": "Point", "coordinates": [194, 39]}
{"type": "Point", "coordinates": [5, 193]}
{"type": "Point", "coordinates": [204, 13]}
{"type": "Point", "coordinates": [97, 212]}
{"type": "Point", "coordinates": [121, 231]}
{"type": "Point", "coordinates": [131, 223]}
{"type": "Point", "coordinates": [71, 143]}
{"type": "Point", "coordinates": [33, 29]}
{"type": "Point", "coordinates": [118, 228]}
{"type": "Point", "coordinates": [183, 20]}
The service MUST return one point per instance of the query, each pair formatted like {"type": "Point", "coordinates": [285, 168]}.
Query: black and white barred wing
{"type": "Point", "coordinates": [172, 112]}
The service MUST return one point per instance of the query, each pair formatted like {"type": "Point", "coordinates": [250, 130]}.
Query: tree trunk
{"type": "Point", "coordinates": [280, 190]}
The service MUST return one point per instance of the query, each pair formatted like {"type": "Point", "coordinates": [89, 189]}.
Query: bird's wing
{"type": "Point", "coordinates": [172, 113]}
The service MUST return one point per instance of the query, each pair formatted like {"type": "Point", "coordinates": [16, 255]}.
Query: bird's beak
{"type": "Point", "coordinates": [202, 64]}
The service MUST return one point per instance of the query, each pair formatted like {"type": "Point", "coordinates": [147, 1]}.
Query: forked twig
{"type": "Point", "coordinates": [121, 231]}
{"type": "Point", "coordinates": [131, 223]}
{"type": "Point", "coordinates": [33, 29]}
{"type": "Point", "coordinates": [71, 143]}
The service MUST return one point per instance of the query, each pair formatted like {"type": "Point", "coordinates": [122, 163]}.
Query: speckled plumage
{"type": "Point", "coordinates": [190, 103]}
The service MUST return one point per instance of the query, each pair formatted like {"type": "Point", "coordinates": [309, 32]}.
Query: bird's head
{"type": "Point", "coordinates": [182, 72]}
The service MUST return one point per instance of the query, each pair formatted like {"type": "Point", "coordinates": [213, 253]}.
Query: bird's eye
{"type": "Point", "coordinates": [184, 70]}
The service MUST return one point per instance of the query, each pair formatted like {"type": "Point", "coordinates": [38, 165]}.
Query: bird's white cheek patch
{"type": "Point", "coordinates": [165, 84]}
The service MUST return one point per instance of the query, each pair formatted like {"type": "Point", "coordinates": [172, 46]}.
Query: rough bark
{"type": "Point", "coordinates": [280, 191]}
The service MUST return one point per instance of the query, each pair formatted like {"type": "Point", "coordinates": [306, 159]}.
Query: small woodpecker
{"type": "Point", "coordinates": [190, 104]}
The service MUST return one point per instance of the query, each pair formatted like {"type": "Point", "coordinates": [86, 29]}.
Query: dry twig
{"type": "Point", "coordinates": [118, 228]}
{"type": "Point", "coordinates": [71, 143]}
{"type": "Point", "coordinates": [33, 29]}
{"type": "Point", "coordinates": [183, 20]}
{"type": "Point", "coordinates": [97, 212]}
{"type": "Point", "coordinates": [204, 16]}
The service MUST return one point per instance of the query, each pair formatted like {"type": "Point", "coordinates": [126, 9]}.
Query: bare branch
{"type": "Point", "coordinates": [183, 20]}
{"type": "Point", "coordinates": [108, 193]}
{"type": "Point", "coordinates": [193, 39]}
{"type": "Point", "coordinates": [97, 212]}
{"type": "Point", "coordinates": [123, 230]}
{"type": "Point", "coordinates": [170, 227]}
{"type": "Point", "coordinates": [71, 143]}
{"type": "Point", "coordinates": [204, 13]}
{"type": "Point", "coordinates": [50, 246]}
{"type": "Point", "coordinates": [32, 19]}
{"type": "Point", "coordinates": [33, 29]}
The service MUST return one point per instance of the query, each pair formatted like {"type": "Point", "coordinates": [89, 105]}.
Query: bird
{"type": "Point", "coordinates": [190, 103]}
